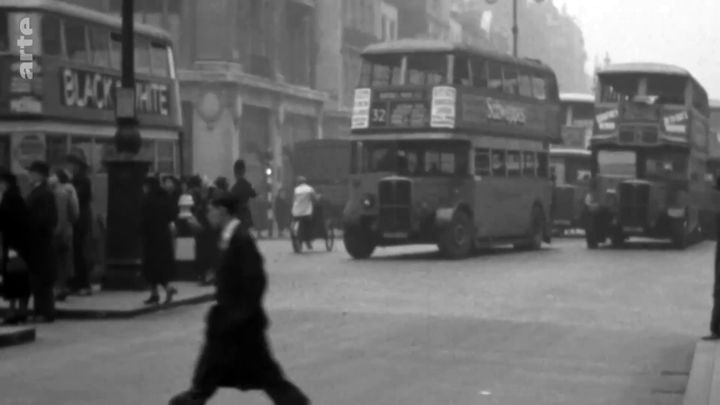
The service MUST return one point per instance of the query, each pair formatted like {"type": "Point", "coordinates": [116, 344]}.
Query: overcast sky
{"type": "Point", "coordinates": [680, 32]}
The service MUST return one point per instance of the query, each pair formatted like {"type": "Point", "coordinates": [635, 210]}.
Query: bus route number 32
{"type": "Point", "coordinates": [378, 115]}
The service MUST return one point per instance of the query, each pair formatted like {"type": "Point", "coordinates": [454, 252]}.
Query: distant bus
{"type": "Point", "coordinates": [68, 105]}
{"type": "Point", "coordinates": [650, 155]}
{"type": "Point", "coordinates": [326, 165]}
{"type": "Point", "coordinates": [570, 161]}
{"type": "Point", "coordinates": [578, 117]}
{"type": "Point", "coordinates": [450, 147]}
{"type": "Point", "coordinates": [570, 169]}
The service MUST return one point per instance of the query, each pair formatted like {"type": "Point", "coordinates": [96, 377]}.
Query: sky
{"type": "Point", "coordinates": [679, 32]}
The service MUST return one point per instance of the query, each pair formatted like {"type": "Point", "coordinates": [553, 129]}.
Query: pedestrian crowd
{"type": "Point", "coordinates": [45, 233]}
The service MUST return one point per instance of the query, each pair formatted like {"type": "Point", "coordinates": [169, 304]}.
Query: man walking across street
{"type": "Point", "coordinates": [43, 223]}
{"type": "Point", "coordinates": [243, 191]}
{"type": "Point", "coordinates": [236, 352]}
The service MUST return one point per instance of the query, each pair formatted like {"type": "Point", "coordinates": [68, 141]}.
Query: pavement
{"type": "Point", "coordinates": [13, 336]}
{"type": "Point", "coordinates": [126, 304]}
{"type": "Point", "coordinates": [561, 326]}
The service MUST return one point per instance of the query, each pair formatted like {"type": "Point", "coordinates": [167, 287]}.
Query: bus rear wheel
{"type": "Point", "coordinates": [457, 238]}
{"type": "Point", "coordinates": [358, 242]}
{"type": "Point", "coordinates": [537, 229]}
{"type": "Point", "coordinates": [679, 231]}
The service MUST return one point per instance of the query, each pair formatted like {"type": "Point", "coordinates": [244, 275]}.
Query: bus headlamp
{"type": "Point", "coordinates": [368, 201]}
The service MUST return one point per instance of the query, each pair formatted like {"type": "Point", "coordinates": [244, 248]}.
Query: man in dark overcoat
{"type": "Point", "coordinates": [43, 220]}
{"type": "Point", "coordinates": [82, 227]}
{"type": "Point", "coordinates": [243, 191]}
{"type": "Point", "coordinates": [236, 352]}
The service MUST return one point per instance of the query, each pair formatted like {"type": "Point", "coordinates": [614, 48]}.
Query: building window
{"type": "Point", "coordinates": [510, 82]}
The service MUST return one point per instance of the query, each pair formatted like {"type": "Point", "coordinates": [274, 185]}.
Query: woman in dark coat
{"type": "Point", "coordinates": [158, 265]}
{"type": "Point", "coordinates": [14, 226]}
{"type": "Point", "coordinates": [173, 187]}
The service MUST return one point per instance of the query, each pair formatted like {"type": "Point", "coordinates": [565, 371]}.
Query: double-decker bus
{"type": "Point", "coordinates": [570, 161]}
{"type": "Point", "coordinates": [67, 106]}
{"type": "Point", "coordinates": [450, 147]}
{"type": "Point", "coordinates": [650, 155]}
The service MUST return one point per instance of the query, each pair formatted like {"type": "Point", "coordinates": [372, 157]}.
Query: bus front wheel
{"type": "Point", "coordinates": [456, 239]}
{"type": "Point", "coordinates": [358, 242]}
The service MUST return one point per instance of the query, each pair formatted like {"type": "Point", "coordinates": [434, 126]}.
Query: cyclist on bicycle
{"type": "Point", "coordinates": [302, 210]}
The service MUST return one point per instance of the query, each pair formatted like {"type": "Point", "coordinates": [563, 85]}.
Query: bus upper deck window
{"type": "Point", "coordinates": [4, 32]}
{"type": "Point", "coordinates": [142, 55]}
{"type": "Point", "coordinates": [479, 73]}
{"type": "Point", "coordinates": [524, 85]}
{"type": "Point", "coordinates": [539, 88]}
{"type": "Point", "coordinates": [51, 38]}
{"type": "Point", "coordinates": [510, 80]}
{"type": "Point", "coordinates": [495, 77]}
{"type": "Point", "coordinates": [461, 73]}
{"type": "Point", "coordinates": [427, 69]}
{"type": "Point", "coordinates": [159, 59]}
{"type": "Point", "coordinates": [100, 47]}
{"type": "Point", "coordinates": [115, 50]}
{"type": "Point", "coordinates": [76, 42]}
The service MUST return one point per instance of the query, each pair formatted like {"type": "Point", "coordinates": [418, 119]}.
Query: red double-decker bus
{"type": "Point", "coordinates": [450, 147]}
{"type": "Point", "coordinates": [650, 155]}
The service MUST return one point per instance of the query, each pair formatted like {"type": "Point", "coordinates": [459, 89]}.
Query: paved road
{"type": "Point", "coordinates": [560, 326]}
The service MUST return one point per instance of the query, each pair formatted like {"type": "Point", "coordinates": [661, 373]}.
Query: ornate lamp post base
{"type": "Point", "coordinates": [123, 248]}
{"type": "Point", "coordinates": [126, 174]}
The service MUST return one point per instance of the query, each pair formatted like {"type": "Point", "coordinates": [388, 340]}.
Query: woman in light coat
{"type": "Point", "coordinates": [66, 201]}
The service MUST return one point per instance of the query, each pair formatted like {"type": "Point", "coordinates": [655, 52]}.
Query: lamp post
{"type": "Point", "coordinates": [515, 29]}
{"type": "Point", "coordinates": [126, 173]}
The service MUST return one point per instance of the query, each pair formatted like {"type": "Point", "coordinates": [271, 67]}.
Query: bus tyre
{"type": "Point", "coordinates": [456, 239]}
{"type": "Point", "coordinates": [537, 231]}
{"type": "Point", "coordinates": [679, 232]}
{"type": "Point", "coordinates": [358, 242]}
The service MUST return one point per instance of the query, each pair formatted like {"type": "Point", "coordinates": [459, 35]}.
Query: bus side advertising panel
{"type": "Point", "coordinates": [444, 107]}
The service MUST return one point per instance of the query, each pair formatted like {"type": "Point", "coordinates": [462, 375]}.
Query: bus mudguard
{"type": "Point", "coordinates": [444, 216]}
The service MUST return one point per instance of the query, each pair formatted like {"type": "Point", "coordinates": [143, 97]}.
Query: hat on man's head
{"type": "Point", "coordinates": [239, 166]}
{"type": "Point", "coordinates": [77, 157]}
{"type": "Point", "coordinates": [40, 168]}
{"type": "Point", "coordinates": [227, 201]}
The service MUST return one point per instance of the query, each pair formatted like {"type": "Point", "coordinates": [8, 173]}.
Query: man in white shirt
{"type": "Point", "coordinates": [302, 210]}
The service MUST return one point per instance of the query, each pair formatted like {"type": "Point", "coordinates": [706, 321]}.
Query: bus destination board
{"type": "Point", "coordinates": [399, 109]}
